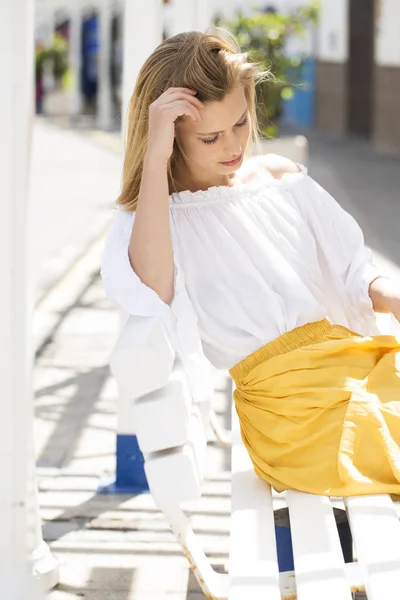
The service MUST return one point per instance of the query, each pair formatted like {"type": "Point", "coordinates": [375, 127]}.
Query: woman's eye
{"type": "Point", "coordinates": [243, 122]}
{"type": "Point", "coordinates": [213, 140]}
{"type": "Point", "coordinates": [210, 141]}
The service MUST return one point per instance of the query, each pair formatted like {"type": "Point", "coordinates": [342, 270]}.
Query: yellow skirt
{"type": "Point", "coordinates": [319, 411]}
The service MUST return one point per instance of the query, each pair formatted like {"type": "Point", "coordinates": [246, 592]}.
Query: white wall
{"type": "Point", "coordinates": [333, 31]}
{"type": "Point", "coordinates": [387, 41]}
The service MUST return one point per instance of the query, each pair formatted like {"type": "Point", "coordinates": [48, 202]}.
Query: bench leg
{"type": "Point", "coordinates": [346, 541]}
{"type": "Point", "coordinates": [284, 548]}
{"type": "Point", "coordinates": [223, 436]}
{"type": "Point", "coordinates": [214, 585]}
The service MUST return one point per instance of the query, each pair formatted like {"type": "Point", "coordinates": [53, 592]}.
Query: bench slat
{"type": "Point", "coordinates": [143, 357]}
{"type": "Point", "coordinates": [318, 558]}
{"type": "Point", "coordinates": [162, 418]}
{"type": "Point", "coordinates": [376, 534]}
{"type": "Point", "coordinates": [175, 476]}
{"type": "Point", "coordinates": [253, 557]}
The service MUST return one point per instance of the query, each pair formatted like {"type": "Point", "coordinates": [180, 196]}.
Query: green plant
{"type": "Point", "coordinates": [56, 55]}
{"type": "Point", "coordinates": [265, 36]}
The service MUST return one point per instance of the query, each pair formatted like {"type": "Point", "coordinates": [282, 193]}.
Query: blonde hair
{"type": "Point", "coordinates": [210, 63]}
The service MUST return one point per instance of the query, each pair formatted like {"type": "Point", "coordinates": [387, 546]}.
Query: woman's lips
{"type": "Point", "coordinates": [233, 162]}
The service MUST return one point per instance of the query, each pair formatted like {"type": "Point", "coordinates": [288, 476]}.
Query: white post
{"type": "Point", "coordinates": [16, 300]}
{"type": "Point", "coordinates": [203, 16]}
{"type": "Point", "coordinates": [44, 564]}
{"type": "Point", "coordinates": [45, 27]}
{"type": "Point", "coordinates": [183, 16]}
{"type": "Point", "coordinates": [75, 60]}
{"type": "Point", "coordinates": [105, 103]}
{"type": "Point", "coordinates": [143, 23]}
{"type": "Point", "coordinates": [227, 9]}
{"type": "Point", "coordinates": [191, 15]}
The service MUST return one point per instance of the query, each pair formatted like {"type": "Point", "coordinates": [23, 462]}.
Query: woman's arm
{"type": "Point", "coordinates": [150, 246]}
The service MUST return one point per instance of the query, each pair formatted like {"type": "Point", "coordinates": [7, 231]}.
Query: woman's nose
{"type": "Point", "coordinates": [233, 145]}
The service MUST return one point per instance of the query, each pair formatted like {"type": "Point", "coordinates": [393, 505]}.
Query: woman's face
{"type": "Point", "coordinates": [213, 147]}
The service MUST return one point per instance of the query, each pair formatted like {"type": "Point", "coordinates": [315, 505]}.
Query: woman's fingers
{"type": "Point", "coordinates": [179, 108]}
{"type": "Point", "coordinates": [164, 100]}
{"type": "Point", "coordinates": [182, 96]}
{"type": "Point", "coordinates": [171, 90]}
{"type": "Point", "coordinates": [163, 113]}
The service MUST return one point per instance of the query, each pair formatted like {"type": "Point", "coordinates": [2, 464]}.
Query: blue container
{"type": "Point", "coordinates": [130, 475]}
{"type": "Point", "coordinates": [300, 109]}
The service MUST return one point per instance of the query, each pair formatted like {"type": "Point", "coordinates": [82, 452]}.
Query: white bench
{"type": "Point", "coordinates": [172, 433]}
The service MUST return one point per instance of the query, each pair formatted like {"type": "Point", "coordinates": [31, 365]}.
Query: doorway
{"type": "Point", "coordinates": [360, 82]}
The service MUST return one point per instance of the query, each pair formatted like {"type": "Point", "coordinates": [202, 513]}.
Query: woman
{"type": "Point", "coordinates": [255, 267]}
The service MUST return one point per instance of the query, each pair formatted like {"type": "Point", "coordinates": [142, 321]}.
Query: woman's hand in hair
{"type": "Point", "coordinates": [173, 103]}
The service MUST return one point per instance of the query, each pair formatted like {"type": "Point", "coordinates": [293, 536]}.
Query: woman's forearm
{"type": "Point", "coordinates": [150, 248]}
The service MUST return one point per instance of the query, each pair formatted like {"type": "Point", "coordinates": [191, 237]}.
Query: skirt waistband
{"type": "Point", "coordinates": [296, 338]}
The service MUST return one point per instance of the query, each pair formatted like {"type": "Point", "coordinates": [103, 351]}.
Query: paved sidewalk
{"type": "Point", "coordinates": [120, 547]}
{"type": "Point", "coordinates": [366, 183]}
{"type": "Point", "coordinates": [73, 184]}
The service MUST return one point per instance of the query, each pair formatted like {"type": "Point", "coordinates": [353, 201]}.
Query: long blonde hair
{"type": "Point", "coordinates": [210, 63]}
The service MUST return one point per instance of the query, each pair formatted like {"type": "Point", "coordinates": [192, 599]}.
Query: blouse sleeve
{"type": "Point", "coordinates": [339, 240]}
{"type": "Point", "coordinates": [124, 287]}
{"type": "Point", "coordinates": [121, 283]}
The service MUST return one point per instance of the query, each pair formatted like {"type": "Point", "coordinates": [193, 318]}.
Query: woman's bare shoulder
{"type": "Point", "coordinates": [272, 165]}
{"type": "Point", "coordinates": [278, 165]}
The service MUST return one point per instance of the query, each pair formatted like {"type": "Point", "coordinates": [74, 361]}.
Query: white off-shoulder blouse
{"type": "Point", "coordinates": [252, 262]}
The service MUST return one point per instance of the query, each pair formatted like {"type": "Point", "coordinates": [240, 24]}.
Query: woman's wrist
{"type": "Point", "coordinates": [385, 295]}
{"type": "Point", "coordinates": [155, 161]}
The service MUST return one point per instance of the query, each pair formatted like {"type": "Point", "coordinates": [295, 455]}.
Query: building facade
{"type": "Point", "coordinates": [358, 70]}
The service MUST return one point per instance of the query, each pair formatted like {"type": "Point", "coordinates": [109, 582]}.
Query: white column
{"type": "Point", "coordinates": [225, 8]}
{"type": "Point", "coordinates": [143, 22]}
{"type": "Point", "coordinates": [387, 41]}
{"type": "Point", "coordinates": [333, 43]}
{"type": "Point", "coordinates": [44, 564]}
{"type": "Point", "coordinates": [75, 60]}
{"type": "Point", "coordinates": [203, 15]}
{"type": "Point", "coordinates": [16, 300]}
{"type": "Point", "coordinates": [48, 31]}
{"type": "Point", "coordinates": [45, 25]}
{"type": "Point", "coordinates": [104, 97]}
{"type": "Point", "coordinates": [143, 25]}
{"type": "Point", "coordinates": [183, 17]}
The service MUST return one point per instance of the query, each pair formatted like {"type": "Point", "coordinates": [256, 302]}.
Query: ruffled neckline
{"type": "Point", "coordinates": [220, 192]}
